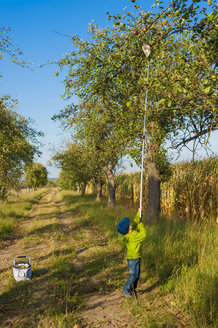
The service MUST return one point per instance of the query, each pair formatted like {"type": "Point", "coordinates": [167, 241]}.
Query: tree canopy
{"type": "Point", "coordinates": [108, 73]}
{"type": "Point", "coordinates": [17, 144]}
{"type": "Point", "coordinates": [75, 166]}
{"type": "Point", "coordinates": [18, 138]}
{"type": "Point", "coordinates": [36, 175]}
{"type": "Point", "coordinates": [8, 50]}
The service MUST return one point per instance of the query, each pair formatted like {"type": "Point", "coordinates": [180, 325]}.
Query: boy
{"type": "Point", "coordinates": [133, 236]}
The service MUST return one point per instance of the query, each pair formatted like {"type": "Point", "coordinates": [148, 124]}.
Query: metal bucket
{"type": "Point", "coordinates": [22, 269]}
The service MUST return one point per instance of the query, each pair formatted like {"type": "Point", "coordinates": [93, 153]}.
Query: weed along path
{"type": "Point", "coordinates": [67, 253]}
{"type": "Point", "coordinates": [19, 245]}
{"type": "Point", "coordinates": [78, 273]}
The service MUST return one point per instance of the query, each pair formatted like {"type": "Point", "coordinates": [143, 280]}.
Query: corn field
{"type": "Point", "coordinates": [190, 193]}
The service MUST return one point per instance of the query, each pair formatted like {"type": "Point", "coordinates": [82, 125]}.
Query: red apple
{"type": "Point", "coordinates": [134, 32]}
{"type": "Point", "coordinates": [144, 28]}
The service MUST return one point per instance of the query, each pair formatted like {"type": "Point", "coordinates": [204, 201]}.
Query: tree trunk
{"type": "Point", "coordinates": [111, 196]}
{"type": "Point", "coordinates": [78, 189]}
{"type": "Point", "coordinates": [99, 192]}
{"type": "Point", "coordinates": [83, 189]}
{"type": "Point", "coordinates": [153, 209]}
{"type": "Point", "coordinates": [3, 193]}
{"type": "Point", "coordinates": [112, 187]}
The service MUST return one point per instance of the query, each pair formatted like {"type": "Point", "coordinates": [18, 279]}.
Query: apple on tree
{"type": "Point", "coordinates": [134, 32]}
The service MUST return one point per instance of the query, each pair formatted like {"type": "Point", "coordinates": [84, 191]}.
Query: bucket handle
{"type": "Point", "coordinates": [22, 257]}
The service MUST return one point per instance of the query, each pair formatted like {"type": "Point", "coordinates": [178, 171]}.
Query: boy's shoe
{"type": "Point", "coordinates": [134, 293]}
{"type": "Point", "coordinates": [127, 295]}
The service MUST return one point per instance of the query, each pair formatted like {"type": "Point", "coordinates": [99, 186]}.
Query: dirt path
{"type": "Point", "coordinates": [17, 247]}
{"type": "Point", "coordinates": [100, 309]}
{"type": "Point", "coordinates": [50, 229]}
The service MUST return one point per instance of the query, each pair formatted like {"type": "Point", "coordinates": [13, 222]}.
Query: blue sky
{"type": "Point", "coordinates": [32, 24]}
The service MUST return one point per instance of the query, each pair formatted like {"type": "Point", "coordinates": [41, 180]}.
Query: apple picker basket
{"type": "Point", "coordinates": [22, 268]}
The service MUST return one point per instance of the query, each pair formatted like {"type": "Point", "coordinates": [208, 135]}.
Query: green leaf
{"type": "Point", "coordinates": [210, 17]}
{"type": "Point", "coordinates": [208, 89]}
{"type": "Point", "coordinates": [162, 101]}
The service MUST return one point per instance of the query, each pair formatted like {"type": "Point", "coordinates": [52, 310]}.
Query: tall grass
{"type": "Point", "coordinates": [183, 256]}
{"type": "Point", "coordinates": [15, 210]}
{"type": "Point", "coordinates": [180, 254]}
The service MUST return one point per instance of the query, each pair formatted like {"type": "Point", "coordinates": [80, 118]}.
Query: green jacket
{"type": "Point", "coordinates": [134, 239]}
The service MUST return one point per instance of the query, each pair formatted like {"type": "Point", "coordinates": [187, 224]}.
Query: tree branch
{"type": "Point", "coordinates": [199, 134]}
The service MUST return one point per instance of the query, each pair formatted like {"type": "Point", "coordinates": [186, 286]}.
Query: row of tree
{"type": "Point", "coordinates": [18, 139]}
{"type": "Point", "coordinates": [109, 75]}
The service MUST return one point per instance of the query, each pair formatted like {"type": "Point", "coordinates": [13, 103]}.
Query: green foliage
{"type": "Point", "coordinates": [51, 183]}
{"type": "Point", "coordinates": [75, 166]}
{"type": "Point", "coordinates": [7, 49]}
{"type": "Point", "coordinates": [36, 175]}
{"type": "Point", "coordinates": [66, 180]}
{"type": "Point", "coordinates": [17, 145]}
{"type": "Point", "coordinates": [108, 73]}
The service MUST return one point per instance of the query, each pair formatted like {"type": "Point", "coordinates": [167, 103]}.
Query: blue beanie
{"type": "Point", "coordinates": [123, 226]}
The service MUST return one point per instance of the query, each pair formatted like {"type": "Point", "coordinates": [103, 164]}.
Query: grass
{"type": "Point", "coordinates": [15, 210]}
{"type": "Point", "coordinates": [80, 253]}
{"type": "Point", "coordinates": [50, 298]}
{"type": "Point", "coordinates": [179, 254]}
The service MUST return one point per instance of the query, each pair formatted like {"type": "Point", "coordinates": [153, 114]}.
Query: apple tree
{"type": "Point", "coordinates": [95, 118]}
{"type": "Point", "coordinates": [109, 76]}
{"type": "Point", "coordinates": [8, 51]}
{"type": "Point", "coordinates": [75, 166]}
{"type": "Point", "coordinates": [18, 145]}
{"type": "Point", "coordinates": [36, 175]}
{"type": "Point", "coordinates": [181, 85]}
